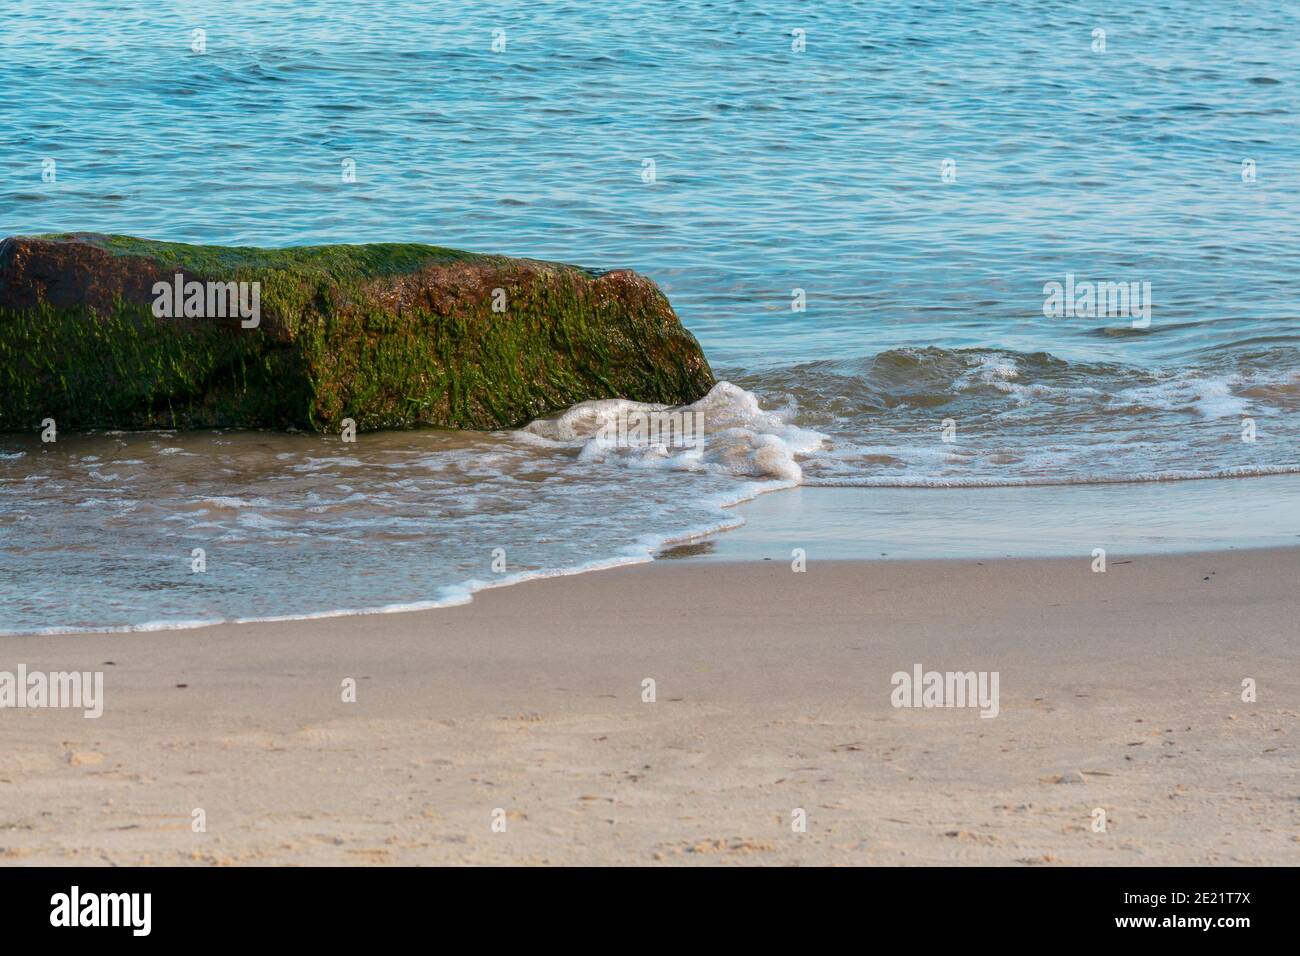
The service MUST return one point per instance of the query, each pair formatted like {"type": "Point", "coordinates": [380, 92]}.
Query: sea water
{"type": "Point", "coordinates": [862, 210]}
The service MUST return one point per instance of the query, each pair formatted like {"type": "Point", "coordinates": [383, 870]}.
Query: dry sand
{"type": "Point", "coordinates": [1119, 691]}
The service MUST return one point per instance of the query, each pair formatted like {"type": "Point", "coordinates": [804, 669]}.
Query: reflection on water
{"type": "Point", "coordinates": [852, 523]}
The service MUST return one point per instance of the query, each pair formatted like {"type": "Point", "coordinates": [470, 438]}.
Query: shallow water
{"type": "Point", "coordinates": [1121, 521]}
{"type": "Point", "coordinates": [775, 170]}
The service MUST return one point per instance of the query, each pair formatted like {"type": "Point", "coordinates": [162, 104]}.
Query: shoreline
{"type": "Point", "coordinates": [1030, 521]}
{"type": "Point", "coordinates": [980, 523]}
{"type": "Point", "coordinates": [1119, 691]}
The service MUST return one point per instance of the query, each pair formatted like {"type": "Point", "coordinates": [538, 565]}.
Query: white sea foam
{"type": "Point", "coordinates": [226, 501]}
{"type": "Point", "coordinates": [741, 439]}
{"type": "Point", "coordinates": [415, 523]}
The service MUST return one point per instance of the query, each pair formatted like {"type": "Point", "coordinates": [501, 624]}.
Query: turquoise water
{"type": "Point", "coordinates": [1172, 158]}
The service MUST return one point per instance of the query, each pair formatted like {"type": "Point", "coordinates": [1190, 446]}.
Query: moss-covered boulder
{"type": "Point", "coordinates": [387, 334]}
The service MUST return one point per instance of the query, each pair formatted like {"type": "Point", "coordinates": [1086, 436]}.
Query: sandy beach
{"type": "Point", "coordinates": [1119, 691]}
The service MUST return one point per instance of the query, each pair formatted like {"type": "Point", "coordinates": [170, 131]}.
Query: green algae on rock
{"type": "Point", "coordinates": [387, 334]}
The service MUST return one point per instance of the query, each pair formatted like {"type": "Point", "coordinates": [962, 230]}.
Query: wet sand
{"type": "Point", "coordinates": [1119, 692]}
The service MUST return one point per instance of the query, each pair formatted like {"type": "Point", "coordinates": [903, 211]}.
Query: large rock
{"type": "Point", "coordinates": [386, 334]}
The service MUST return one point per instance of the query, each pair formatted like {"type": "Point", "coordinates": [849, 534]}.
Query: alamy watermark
{"type": "Point", "coordinates": [83, 690]}
{"type": "Point", "coordinates": [208, 300]}
{"type": "Point", "coordinates": [75, 908]}
{"type": "Point", "coordinates": [1095, 300]}
{"type": "Point", "coordinates": [669, 428]}
{"type": "Point", "coordinates": [946, 689]}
